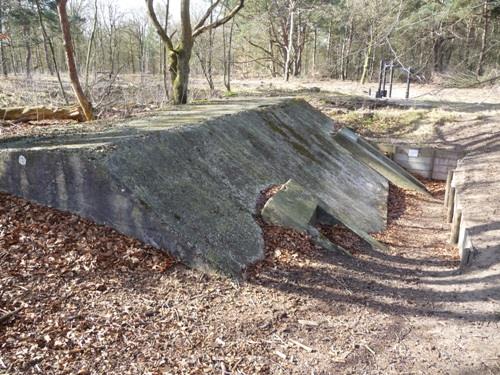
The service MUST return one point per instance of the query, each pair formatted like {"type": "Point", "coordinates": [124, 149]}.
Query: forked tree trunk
{"type": "Point", "coordinates": [70, 60]}
{"type": "Point", "coordinates": [180, 55]}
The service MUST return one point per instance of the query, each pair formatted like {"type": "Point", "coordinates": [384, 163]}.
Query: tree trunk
{"type": "Point", "coordinates": [70, 60]}
{"type": "Point", "coordinates": [45, 37]}
{"type": "Point", "coordinates": [164, 51]}
{"type": "Point", "coordinates": [329, 47]}
{"type": "Point", "coordinates": [482, 52]}
{"type": "Point", "coordinates": [13, 60]}
{"type": "Point", "coordinates": [89, 48]}
{"type": "Point", "coordinates": [179, 65]}
{"type": "Point", "coordinates": [315, 49]}
{"type": "Point", "coordinates": [348, 49]}
{"type": "Point", "coordinates": [38, 113]}
{"type": "Point", "coordinates": [290, 41]}
{"type": "Point", "coordinates": [367, 58]}
{"type": "Point", "coordinates": [210, 55]}
{"type": "Point", "coordinates": [53, 54]}
{"type": "Point", "coordinates": [181, 80]}
{"type": "Point", "coordinates": [228, 56]}
{"type": "Point", "coordinates": [28, 58]}
{"type": "Point", "coordinates": [466, 50]}
{"type": "Point", "coordinates": [2, 48]}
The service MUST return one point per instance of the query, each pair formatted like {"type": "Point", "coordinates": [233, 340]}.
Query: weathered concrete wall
{"type": "Point", "coordinates": [363, 151]}
{"type": "Point", "coordinates": [188, 182]}
{"type": "Point", "coordinates": [428, 161]}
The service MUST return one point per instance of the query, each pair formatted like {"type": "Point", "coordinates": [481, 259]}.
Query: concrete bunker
{"type": "Point", "coordinates": [186, 181]}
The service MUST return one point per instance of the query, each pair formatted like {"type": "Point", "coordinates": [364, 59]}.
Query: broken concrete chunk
{"type": "Point", "coordinates": [291, 207]}
{"type": "Point", "coordinates": [295, 208]}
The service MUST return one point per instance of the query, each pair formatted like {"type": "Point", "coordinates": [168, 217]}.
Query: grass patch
{"type": "Point", "coordinates": [229, 94]}
{"type": "Point", "coordinates": [383, 122]}
{"type": "Point", "coordinates": [417, 125]}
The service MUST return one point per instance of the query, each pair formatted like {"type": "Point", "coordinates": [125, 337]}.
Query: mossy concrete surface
{"type": "Point", "coordinates": [188, 182]}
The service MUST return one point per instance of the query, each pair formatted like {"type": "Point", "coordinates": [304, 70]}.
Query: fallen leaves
{"type": "Point", "coordinates": [94, 301]}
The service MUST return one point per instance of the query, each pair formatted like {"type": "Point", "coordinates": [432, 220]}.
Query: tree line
{"type": "Point", "coordinates": [330, 39]}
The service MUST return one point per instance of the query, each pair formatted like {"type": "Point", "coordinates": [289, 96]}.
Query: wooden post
{"type": "Point", "coordinates": [391, 76]}
{"type": "Point", "coordinates": [407, 96]}
{"type": "Point", "coordinates": [448, 187]}
{"type": "Point", "coordinates": [455, 228]}
{"type": "Point", "coordinates": [451, 205]}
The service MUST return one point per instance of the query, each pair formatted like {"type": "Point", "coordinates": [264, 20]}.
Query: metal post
{"type": "Point", "coordinates": [391, 76]}
{"type": "Point", "coordinates": [378, 94]}
{"type": "Point", "coordinates": [384, 91]}
{"type": "Point", "coordinates": [407, 96]}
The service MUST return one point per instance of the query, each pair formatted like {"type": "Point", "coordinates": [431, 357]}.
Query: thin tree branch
{"type": "Point", "coordinates": [159, 29]}
{"type": "Point", "coordinates": [221, 21]}
{"type": "Point", "coordinates": [203, 19]}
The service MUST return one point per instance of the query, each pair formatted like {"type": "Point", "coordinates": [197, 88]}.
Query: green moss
{"type": "Point", "coordinates": [144, 204]}
{"type": "Point", "coordinates": [295, 134]}
{"type": "Point", "coordinates": [303, 151]}
{"type": "Point", "coordinates": [276, 129]}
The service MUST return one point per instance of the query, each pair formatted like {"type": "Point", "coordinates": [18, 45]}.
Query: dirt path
{"type": "Point", "coordinates": [88, 311]}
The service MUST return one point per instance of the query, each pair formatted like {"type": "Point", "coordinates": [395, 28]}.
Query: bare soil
{"type": "Point", "coordinates": [95, 302]}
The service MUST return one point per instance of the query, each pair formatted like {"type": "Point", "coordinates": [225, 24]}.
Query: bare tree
{"type": "Point", "coordinates": [289, 47]}
{"type": "Point", "coordinates": [70, 60]}
{"type": "Point", "coordinates": [227, 46]}
{"type": "Point", "coordinates": [486, 23]}
{"type": "Point", "coordinates": [2, 49]}
{"type": "Point", "coordinates": [164, 53]}
{"type": "Point", "coordinates": [89, 47]}
{"type": "Point", "coordinates": [48, 41]}
{"type": "Point", "coordinates": [180, 54]}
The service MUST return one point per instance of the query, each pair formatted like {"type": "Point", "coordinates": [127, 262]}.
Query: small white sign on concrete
{"type": "Point", "coordinates": [413, 152]}
{"type": "Point", "coordinates": [22, 160]}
